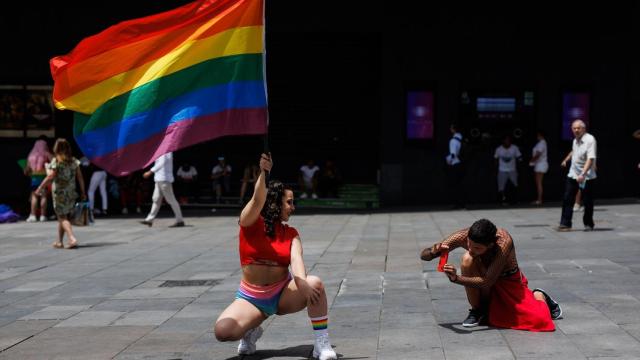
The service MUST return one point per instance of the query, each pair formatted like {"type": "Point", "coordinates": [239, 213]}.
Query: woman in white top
{"type": "Point", "coordinates": [539, 163]}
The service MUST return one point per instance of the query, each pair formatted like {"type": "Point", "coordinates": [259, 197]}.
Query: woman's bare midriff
{"type": "Point", "coordinates": [263, 275]}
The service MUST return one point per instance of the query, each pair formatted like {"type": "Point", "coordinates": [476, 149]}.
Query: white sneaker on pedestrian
{"type": "Point", "coordinates": [314, 196]}
{"type": "Point", "coordinates": [32, 218]}
{"type": "Point", "coordinates": [43, 218]}
{"type": "Point", "coordinates": [322, 349]}
{"type": "Point", "coordinates": [304, 195]}
{"type": "Point", "coordinates": [247, 344]}
{"type": "Point", "coordinates": [125, 211]}
{"type": "Point", "coordinates": [138, 210]}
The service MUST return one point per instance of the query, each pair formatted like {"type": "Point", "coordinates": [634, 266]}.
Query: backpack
{"type": "Point", "coordinates": [463, 154]}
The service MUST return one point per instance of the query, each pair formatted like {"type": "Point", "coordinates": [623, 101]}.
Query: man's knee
{"type": "Point", "coordinates": [227, 330]}
{"type": "Point", "coordinates": [466, 263]}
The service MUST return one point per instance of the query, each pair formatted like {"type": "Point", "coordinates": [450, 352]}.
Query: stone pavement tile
{"type": "Point", "coordinates": [407, 320]}
{"type": "Point", "coordinates": [9, 273]}
{"type": "Point", "coordinates": [144, 318]}
{"type": "Point", "coordinates": [19, 331]}
{"type": "Point", "coordinates": [11, 313]}
{"type": "Point", "coordinates": [606, 345]}
{"type": "Point", "coordinates": [621, 313]}
{"type": "Point", "coordinates": [77, 343]}
{"type": "Point", "coordinates": [162, 293]}
{"type": "Point", "coordinates": [207, 347]}
{"type": "Point", "coordinates": [209, 275]}
{"type": "Point", "coordinates": [525, 344]}
{"type": "Point", "coordinates": [187, 325]}
{"type": "Point", "coordinates": [159, 346]}
{"type": "Point", "coordinates": [129, 305]}
{"type": "Point", "coordinates": [633, 330]}
{"type": "Point", "coordinates": [582, 318]}
{"type": "Point", "coordinates": [424, 338]}
{"type": "Point", "coordinates": [459, 340]}
{"type": "Point", "coordinates": [56, 312]}
{"type": "Point", "coordinates": [36, 286]}
{"type": "Point", "coordinates": [200, 310]}
{"type": "Point", "coordinates": [391, 354]}
{"type": "Point", "coordinates": [357, 300]}
{"type": "Point", "coordinates": [62, 272]}
{"type": "Point", "coordinates": [149, 284]}
{"type": "Point", "coordinates": [464, 351]}
{"type": "Point", "coordinates": [92, 319]}
{"type": "Point", "coordinates": [149, 354]}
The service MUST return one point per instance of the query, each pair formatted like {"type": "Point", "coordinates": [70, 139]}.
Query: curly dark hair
{"type": "Point", "coordinates": [483, 232]}
{"type": "Point", "coordinates": [273, 206]}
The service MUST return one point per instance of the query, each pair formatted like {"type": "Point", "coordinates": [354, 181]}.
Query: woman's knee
{"type": "Point", "coordinates": [226, 330]}
{"type": "Point", "coordinates": [315, 282]}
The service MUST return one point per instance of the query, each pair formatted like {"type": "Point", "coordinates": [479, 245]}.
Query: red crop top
{"type": "Point", "coordinates": [257, 248]}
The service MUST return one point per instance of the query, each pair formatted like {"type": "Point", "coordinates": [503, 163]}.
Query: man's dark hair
{"type": "Point", "coordinates": [455, 127]}
{"type": "Point", "coordinates": [483, 232]}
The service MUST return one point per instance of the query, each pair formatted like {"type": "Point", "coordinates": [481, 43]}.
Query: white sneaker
{"type": "Point", "coordinates": [32, 218]}
{"type": "Point", "coordinates": [304, 196]}
{"type": "Point", "coordinates": [314, 196]}
{"type": "Point", "coordinates": [125, 211]}
{"type": "Point", "coordinates": [138, 210]}
{"type": "Point", "coordinates": [322, 348]}
{"type": "Point", "coordinates": [247, 344]}
{"type": "Point", "coordinates": [43, 218]}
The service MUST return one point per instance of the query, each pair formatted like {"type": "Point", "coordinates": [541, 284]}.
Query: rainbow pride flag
{"type": "Point", "coordinates": [152, 85]}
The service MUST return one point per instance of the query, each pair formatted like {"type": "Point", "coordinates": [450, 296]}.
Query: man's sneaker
{"type": "Point", "coordinates": [43, 218]}
{"type": "Point", "coordinates": [322, 349]}
{"type": "Point", "coordinates": [125, 211]}
{"type": "Point", "coordinates": [563, 228]}
{"type": "Point", "coordinates": [314, 196]}
{"type": "Point", "coordinates": [304, 196]}
{"type": "Point", "coordinates": [554, 307]}
{"type": "Point", "coordinates": [588, 228]}
{"type": "Point", "coordinates": [474, 318]}
{"type": "Point", "coordinates": [32, 218]}
{"type": "Point", "coordinates": [247, 344]}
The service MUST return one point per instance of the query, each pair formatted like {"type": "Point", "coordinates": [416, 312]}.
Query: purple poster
{"type": "Point", "coordinates": [574, 106]}
{"type": "Point", "coordinates": [420, 115]}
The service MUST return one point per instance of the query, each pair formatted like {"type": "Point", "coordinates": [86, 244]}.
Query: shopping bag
{"type": "Point", "coordinates": [81, 214]}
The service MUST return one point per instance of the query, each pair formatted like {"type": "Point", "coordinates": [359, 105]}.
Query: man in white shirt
{"type": "Point", "coordinates": [221, 176]}
{"type": "Point", "coordinates": [507, 155]}
{"type": "Point", "coordinates": [309, 179]}
{"type": "Point", "coordinates": [187, 182]}
{"type": "Point", "coordinates": [162, 172]}
{"type": "Point", "coordinates": [582, 173]}
{"type": "Point", "coordinates": [455, 169]}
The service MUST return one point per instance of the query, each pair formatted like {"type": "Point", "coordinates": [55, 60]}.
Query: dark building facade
{"type": "Point", "coordinates": [339, 78]}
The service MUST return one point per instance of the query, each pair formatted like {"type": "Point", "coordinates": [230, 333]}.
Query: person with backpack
{"type": "Point", "coordinates": [455, 168]}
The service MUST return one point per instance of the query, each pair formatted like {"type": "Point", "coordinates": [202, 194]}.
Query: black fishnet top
{"type": "Point", "coordinates": [499, 260]}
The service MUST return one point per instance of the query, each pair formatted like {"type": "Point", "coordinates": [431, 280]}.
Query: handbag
{"type": "Point", "coordinates": [81, 214]}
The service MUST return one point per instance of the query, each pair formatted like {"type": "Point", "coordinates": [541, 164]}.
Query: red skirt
{"type": "Point", "coordinates": [512, 306]}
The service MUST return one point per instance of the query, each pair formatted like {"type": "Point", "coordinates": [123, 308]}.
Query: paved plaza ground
{"type": "Point", "coordinates": [109, 298]}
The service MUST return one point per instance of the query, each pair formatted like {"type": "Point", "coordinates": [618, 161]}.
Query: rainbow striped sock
{"type": "Point", "coordinates": [320, 324]}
